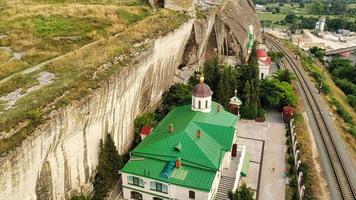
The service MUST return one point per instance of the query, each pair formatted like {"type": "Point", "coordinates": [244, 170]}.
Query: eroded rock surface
{"type": "Point", "coordinates": [60, 157]}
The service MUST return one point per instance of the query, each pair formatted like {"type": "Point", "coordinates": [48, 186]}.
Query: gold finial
{"type": "Point", "coordinates": [201, 79]}
{"type": "Point", "coordinates": [235, 92]}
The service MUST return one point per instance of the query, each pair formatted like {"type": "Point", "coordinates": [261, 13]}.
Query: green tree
{"type": "Point", "coordinates": [284, 75]}
{"type": "Point", "coordinates": [241, 193]}
{"type": "Point", "coordinates": [212, 73]}
{"type": "Point", "coordinates": [276, 94]}
{"type": "Point", "coordinates": [100, 185]}
{"type": "Point", "coordinates": [276, 56]}
{"type": "Point", "coordinates": [107, 171]}
{"type": "Point", "coordinates": [301, 4]}
{"type": "Point", "coordinates": [113, 160]}
{"type": "Point", "coordinates": [247, 93]}
{"type": "Point", "coordinates": [317, 52]}
{"type": "Point", "coordinates": [290, 18]}
{"type": "Point", "coordinates": [317, 8]}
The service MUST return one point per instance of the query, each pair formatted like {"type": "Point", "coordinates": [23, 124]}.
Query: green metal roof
{"type": "Point", "coordinates": [186, 176]}
{"type": "Point", "coordinates": [201, 156]}
{"type": "Point", "coordinates": [245, 165]}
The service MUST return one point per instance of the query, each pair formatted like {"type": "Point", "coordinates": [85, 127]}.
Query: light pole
{"type": "Point", "coordinates": [322, 78]}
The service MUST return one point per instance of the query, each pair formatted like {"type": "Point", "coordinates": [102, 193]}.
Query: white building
{"type": "Point", "coordinates": [264, 63]}
{"type": "Point", "coordinates": [187, 154]}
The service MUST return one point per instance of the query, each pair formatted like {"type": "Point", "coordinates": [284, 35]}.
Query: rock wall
{"type": "Point", "coordinates": [61, 156]}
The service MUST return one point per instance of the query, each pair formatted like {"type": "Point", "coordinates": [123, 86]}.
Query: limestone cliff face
{"type": "Point", "coordinates": [61, 156]}
{"type": "Point", "coordinates": [63, 153]}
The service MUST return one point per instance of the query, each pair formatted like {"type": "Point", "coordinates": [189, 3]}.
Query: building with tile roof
{"type": "Point", "coordinates": [264, 62]}
{"type": "Point", "coordinates": [186, 153]}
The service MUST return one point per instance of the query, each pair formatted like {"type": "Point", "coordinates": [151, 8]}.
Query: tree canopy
{"type": "Point", "coordinates": [241, 193]}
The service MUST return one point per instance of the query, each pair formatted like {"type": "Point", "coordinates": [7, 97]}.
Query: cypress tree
{"type": "Point", "coordinates": [113, 161]}
{"type": "Point", "coordinates": [247, 93]}
{"type": "Point", "coordinates": [100, 183]}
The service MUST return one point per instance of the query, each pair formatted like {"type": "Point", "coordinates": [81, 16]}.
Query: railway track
{"type": "Point", "coordinates": [340, 172]}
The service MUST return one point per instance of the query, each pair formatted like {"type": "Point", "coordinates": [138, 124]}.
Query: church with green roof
{"type": "Point", "coordinates": [187, 154]}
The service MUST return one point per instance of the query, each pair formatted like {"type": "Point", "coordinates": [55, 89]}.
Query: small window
{"type": "Point", "coordinates": [206, 104]}
{"type": "Point", "coordinates": [156, 198]}
{"type": "Point", "coordinates": [135, 181]}
{"type": "Point", "coordinates": [193, 103]}
{"type": "Point", "coordinates": [262, 75]}
{"type": "Point", "coordinates": [159, 187]}
{"type": "Point", "coordinates": [199, 103]}
{"type": "Point", "coordinates": [136, 195]}
{"type": "Point", "coordinates": [191, 194]}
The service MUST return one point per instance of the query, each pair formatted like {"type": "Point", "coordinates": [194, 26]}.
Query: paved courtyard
{"type": "Point", "coordinates": [265, 142]}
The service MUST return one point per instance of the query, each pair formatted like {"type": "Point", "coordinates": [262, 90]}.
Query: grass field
{"type": "Point", "coordinates": [43, 31]}
{"type": "Point", "coordinates": [287, 8]}
{"type": "Point", "coordinates": [78, 72]}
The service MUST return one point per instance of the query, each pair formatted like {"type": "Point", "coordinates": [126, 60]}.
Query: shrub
{"type": "Point", "coordinates": [293, 182]}
{"type": "Point", "coordinates": [352, 100]}
{"type": "Point", "coordinates": [291, 160]}
{"type": "Point", "coordinates": [343, 113]}
{"type": "Point", "coordinates": [248, 111]}
{"type": "Point", "coordinates": [261, 115]}
{"type": "Point", "coordinates": [346, 86]}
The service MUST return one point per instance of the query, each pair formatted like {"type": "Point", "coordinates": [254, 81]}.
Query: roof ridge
{"type": "Point", "coordinates": [192, 164]}
{"type": "Point", "coordinates": [199, 147]}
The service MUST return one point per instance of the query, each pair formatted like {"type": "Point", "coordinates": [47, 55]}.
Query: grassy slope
{"type": "Point", "coordinates": [33, 29]}
{"type": "Point", "coordinates": [75, 72]}
{"type": "Point", "coordinates": [340, 97]}
{"type": "Point", "coordinates": [313, 178]}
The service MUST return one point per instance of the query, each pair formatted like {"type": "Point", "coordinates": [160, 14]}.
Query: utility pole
{"type": "Point", "coordinates": [296, 56]}
{"type": "Point", "coordinates": [322, 78]}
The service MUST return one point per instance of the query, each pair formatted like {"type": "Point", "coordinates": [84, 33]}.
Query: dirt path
{"type": "Point", "coordinates": [41, 65]}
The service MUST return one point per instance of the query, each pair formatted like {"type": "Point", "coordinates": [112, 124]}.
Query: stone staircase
{"type": "Point", "coordinates": [226, 184]}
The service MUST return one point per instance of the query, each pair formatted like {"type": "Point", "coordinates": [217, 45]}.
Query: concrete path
{"type": "Point", "coordinates": [273, 183]}
{"type": "Point", "coordinates": [265, 142]}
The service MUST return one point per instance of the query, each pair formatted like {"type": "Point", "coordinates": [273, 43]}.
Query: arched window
{"type": "Point", "coordinates": [193, 103]}
{"type": "Point", "coordinates": [159, 187]}
{"type": "Point", "coordinates": [133, 180]}
{"type": "Point", "coordinates": [262, 75]}
{"type": "Point", "coordinates": [191, 195]}
{"type": "Point", "coordinates": [136, 195]}
{"type": "Point", "coordinates": [199, 104]}
{"type": "Point", "coordinates": [206, 103]}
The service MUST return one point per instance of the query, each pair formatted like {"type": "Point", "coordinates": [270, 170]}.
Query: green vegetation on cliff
{"type": "Point", "coordinates": [78, 72]}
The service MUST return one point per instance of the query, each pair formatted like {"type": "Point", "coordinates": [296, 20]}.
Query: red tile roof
{"type": "Point", "coordinates": [268, 61]}
{"type": "Point", "coordinates": [260, 53]}
{"type": "Point", "coordinates": [146, 130]}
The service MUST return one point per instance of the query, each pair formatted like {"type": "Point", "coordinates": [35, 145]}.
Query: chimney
{"type": "Point", "coordinates": [199, 133]}
{"type": "Point", "coordinates": [218, 108]}
{"type": "Point", "coordinates": [178, 163]}
{"type": "Point", "coordinates": [171, 129]}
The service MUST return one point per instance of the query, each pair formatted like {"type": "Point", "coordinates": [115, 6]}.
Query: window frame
{"type": "Point", "coordinates": [133, 193]}
{"type": "Point", "coordinates": [158, 187]}
{"type": "Point", "coordinates": [191, 195]}
{"type": "Point", "coordinates": [136, 181]}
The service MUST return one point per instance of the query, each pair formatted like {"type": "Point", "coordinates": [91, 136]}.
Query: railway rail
{"type": "Point", "coordinates": [339, 169]}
